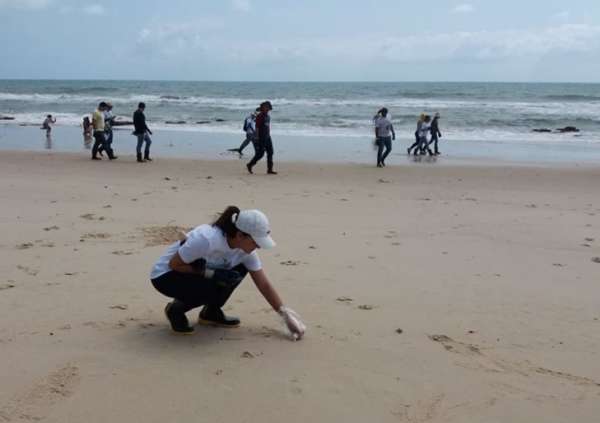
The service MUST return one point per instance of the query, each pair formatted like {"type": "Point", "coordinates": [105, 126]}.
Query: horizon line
{"type": "Point", "coordinates": [305, 81]}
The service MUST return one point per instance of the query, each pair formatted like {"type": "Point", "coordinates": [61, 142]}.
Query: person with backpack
{"type": "Point", "coordinates": [211, 261]}
{"type": "Point", "coordinates": [249, 127]}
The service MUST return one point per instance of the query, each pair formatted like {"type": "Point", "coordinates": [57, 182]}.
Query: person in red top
{"type": "Point", "coordinates": [263, 139]}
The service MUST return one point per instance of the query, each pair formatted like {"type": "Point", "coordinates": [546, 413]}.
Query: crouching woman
{"type": "Point", "coordinates": [208, 265]}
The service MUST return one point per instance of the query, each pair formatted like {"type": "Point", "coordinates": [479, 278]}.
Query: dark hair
{"type": "Point", "coordinates": [225, 222]}
{"type": "Point", "coordinates": [142, 105]}
{"type": "Point", "coordinates": [383, 112]}
{"type": "Point", "coordinates": [102, 104]}
{"type": "Point", "coordinates": [257, 109]}
{"type": "Point", "coordinates": [49, 116]}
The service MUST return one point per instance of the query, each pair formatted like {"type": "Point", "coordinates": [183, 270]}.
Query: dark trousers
{"type": "Point", "coordinates": [141, 139]}
{"type": "Point", "coordinates": [100, 140]}
{"type": "Point", "coordinates": [248, 140]}
{"type": "Point", "coordinates": [262, 146]}
{"type": "Point", "coordinates": [434, 141]}
{"type": "Point", "coordinates": [381, 143]}
{"type": "Point", "coordinates": [416, 143]}
{"type": "Point", "coordinates": [194, 291]}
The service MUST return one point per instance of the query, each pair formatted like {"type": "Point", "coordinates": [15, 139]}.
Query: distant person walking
{"type": "Point", "coordinates": [384, 134]}
{"type": "Point", "coordinates": [108, 123]}
{"type": "Point", "coordinates": [415, 145]}
{"type": "Point", "coordinates": [249, 128]}
{"type": "Point", "coordinates": [142, 132]}
{"type": "Point", "coordinates": [424, 130]}
{"type": "Point", "coordinates": [100, 139]}
{"type": "Point", "coordinates": [47, 125]}
{"type": "Point", "coordinates": [263, 139]}
{"type": "Point", "coordinates": [435, 134]}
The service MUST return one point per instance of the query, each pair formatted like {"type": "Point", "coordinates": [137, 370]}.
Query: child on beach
{"type": "Point", "coordinates": [208, 265]}
{"type": "Point", "coordinates": [47, 124]}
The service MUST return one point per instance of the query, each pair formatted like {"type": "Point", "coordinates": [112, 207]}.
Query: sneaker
{"type": "Point", "coordinates": [113, 158]}
{"type": "Point", "coordinates": [249, 169]}
{"type": "Point", "coordinates": [271, 172]}
{"type": "Point", "coordinates": [215, 317]}
{"type": "Point", "coordinates": [179, 322]}
{"type": "Point", "coordinates": [96, 158]}
{"type": "Point", "coordinates": [379, 165]}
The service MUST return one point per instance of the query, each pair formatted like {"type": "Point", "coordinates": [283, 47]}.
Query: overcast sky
{"type": "Point", "coordinates": [314, 40]}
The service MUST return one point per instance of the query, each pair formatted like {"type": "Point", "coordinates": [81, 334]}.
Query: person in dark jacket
{"type": "Point", "coordinates": [435, 134]}
{"type": "Point", "coordinates": [142, 132]}
{"type": "Point", "coordinates": [263, 139]}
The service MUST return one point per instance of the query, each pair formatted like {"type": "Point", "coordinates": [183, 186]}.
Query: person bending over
{"type": "Point", "coordinates": [208, 265]}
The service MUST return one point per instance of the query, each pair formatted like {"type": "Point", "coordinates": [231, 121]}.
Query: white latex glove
{"type": "Point", "coordinates": [292, 322]}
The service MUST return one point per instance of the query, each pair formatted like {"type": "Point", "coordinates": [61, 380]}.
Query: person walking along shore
{"type": "Point", "coordinates": [384, 134]}
{"type": "Point", "coordinates": [142, 132]}
{"type": "Point", "coordinates": [264, 143]}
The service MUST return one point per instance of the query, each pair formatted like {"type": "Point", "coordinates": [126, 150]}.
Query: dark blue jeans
{"type": "Point", "coordinates": [262, 146]}
{"type": "Point", "coordinates": [381, 143]}
{"type": "Point", "coordinates": [140, 141]}
{"type": "Point", "coordinates": [195, 291]}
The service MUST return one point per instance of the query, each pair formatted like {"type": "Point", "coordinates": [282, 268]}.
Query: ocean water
{"type": "Point", "coordinates": [474, 114]}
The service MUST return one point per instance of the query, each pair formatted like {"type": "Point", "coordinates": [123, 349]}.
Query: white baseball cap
{"type": "Point", "coordinates": [255, 224]}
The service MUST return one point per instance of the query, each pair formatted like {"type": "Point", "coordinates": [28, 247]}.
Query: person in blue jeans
{"type": "Point", "coordinates": [384, 133]}
{"type": "Point", "coordinates": [142, 132]}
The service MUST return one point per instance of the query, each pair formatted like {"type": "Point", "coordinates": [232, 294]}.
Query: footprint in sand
{"type": "Point", "coordinates": [596, 259]}
{"type": "Point", "coordinates": [36, 403]}
{"type": "Point", "coordinates": [52, 228]}
{"type": "Point", "coordinates": [29, 271]}
{"type": "Point", "coordinates": [474, 358]}
{"type": "Point", "coordinates": [8, 285]}
{"type": "Point", "coordinates": [24, 246]}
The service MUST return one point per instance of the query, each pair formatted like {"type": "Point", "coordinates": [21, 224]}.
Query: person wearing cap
{"type": "Point", "coordinates": [384, 134]}
{"type": "Point", "coordinates": [100, 139]}
{"type": "Point", "coordinates": [142, 132]}
{"type": "Point", "coordinates": [263, 139]}
{"type": "Point", "coordinates": [208, 265]}
{"type": "Point", "coordinates": [435, 133]}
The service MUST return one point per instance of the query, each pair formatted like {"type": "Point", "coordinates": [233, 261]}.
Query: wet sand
{"type": "Point", "coordinates": [431, 293]}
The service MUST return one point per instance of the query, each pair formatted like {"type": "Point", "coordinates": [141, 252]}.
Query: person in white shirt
{"type": "Point", "coordinates": [424, 131]}
{"type": "Point", "coordinates": [208, 265]}
{"type": "Point", "coordinates": [384, 134]}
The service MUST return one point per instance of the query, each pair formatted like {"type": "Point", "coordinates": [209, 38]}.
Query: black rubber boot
{"type": "Point", "coordinates": [214, 316]}
{"type": "Point", "coordinates": [176, 315]}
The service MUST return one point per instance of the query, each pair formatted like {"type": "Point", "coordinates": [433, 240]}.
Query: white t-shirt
{"type": "Point", "coordinates": [383, 126]}
{"type": "Point", "coordinates": [209, 243]}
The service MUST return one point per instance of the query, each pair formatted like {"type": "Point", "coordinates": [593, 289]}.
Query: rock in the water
{"type": "Point", "coordinates": [542, 130]}
{"type": "Point", "coordinates": [219, 120]}
{"type": "Point", "coordinates": [567, 129]}
{"type": "Point", "coordinates": [202, 122]}
{"type": "Point", "coordinates": [7, 118]}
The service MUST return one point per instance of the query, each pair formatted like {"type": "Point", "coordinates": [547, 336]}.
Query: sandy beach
{"type": "Point", "coordinates": [459, 293]}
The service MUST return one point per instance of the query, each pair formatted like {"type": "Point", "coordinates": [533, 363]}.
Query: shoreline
{"type": "Point", "coordinates": [213, 146]}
